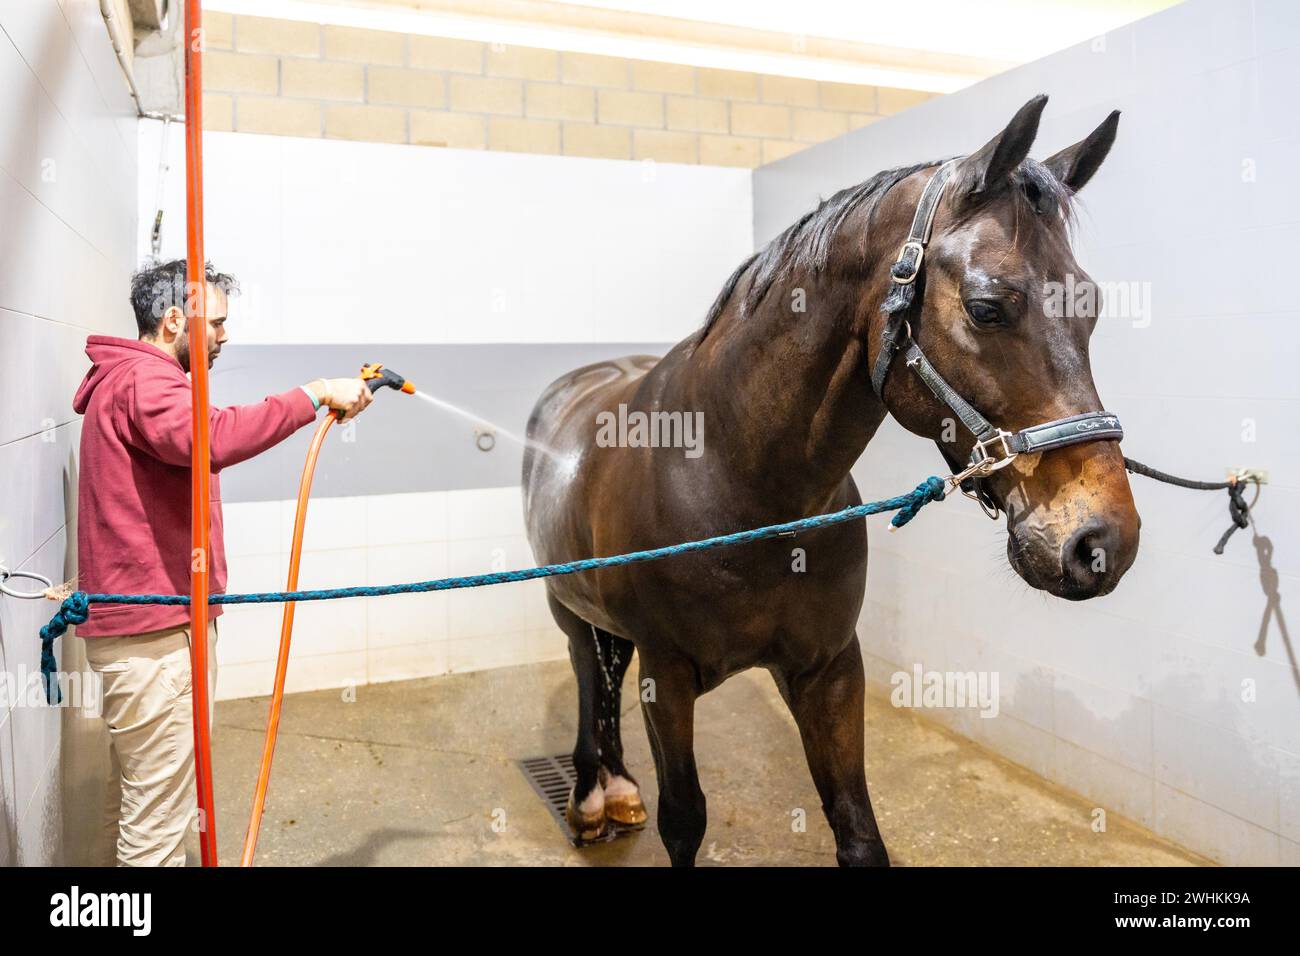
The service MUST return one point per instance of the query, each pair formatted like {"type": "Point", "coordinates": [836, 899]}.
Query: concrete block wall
{"type": "Point", "coordinates": [305, 79]}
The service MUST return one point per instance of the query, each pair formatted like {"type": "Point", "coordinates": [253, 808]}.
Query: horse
{"type": "Point", "coordinates": [783, 372]}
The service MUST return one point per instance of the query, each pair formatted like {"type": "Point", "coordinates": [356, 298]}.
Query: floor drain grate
{"type": "Point", "coordinates": [552, 778]}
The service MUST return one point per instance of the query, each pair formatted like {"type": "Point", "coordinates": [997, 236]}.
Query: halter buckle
{"type": "Point", "coordinates": [916, 267]}
{"type": "Point", "coordinates": [983, 463]}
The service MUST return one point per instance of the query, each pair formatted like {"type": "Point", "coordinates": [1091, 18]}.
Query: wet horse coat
{"type": "Point", "coordinates": [780, 375]}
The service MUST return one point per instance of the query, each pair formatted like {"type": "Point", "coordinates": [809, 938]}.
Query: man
{"type": "Point", "coordinates": [134, 538]}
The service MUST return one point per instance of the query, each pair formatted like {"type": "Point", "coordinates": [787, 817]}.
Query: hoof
{"type": "Point", "coordinates": [586, 826]}
{"type": "Point", "coordinates": [626, 809]}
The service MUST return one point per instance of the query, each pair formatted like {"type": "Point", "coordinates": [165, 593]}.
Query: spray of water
{"type": "Point", "coordinates": [467, 415]}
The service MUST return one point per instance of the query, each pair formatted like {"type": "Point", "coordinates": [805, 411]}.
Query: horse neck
{"type": "Point", "coordinates": [787, 394]}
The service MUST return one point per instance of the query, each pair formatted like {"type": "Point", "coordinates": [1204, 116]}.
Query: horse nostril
{"type": "Point", "coordinates": [1089, 554]}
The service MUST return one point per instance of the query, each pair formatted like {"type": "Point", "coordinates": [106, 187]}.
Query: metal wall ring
{"type": "Point", "coordinates": [6, 574]}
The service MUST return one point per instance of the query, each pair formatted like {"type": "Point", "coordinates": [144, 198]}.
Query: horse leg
{"type": "Point", "coordinates": [622, 795]}
{"type": "Point", "coordinates": [668, 704]}
{"type": "Point", "coordinates": [585, 812]}
{"type": "Point", "coordinates": [828, 707]}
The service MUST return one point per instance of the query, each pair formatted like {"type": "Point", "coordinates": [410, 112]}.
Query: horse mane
{"type": "Point", "coordinates": [807, 243]}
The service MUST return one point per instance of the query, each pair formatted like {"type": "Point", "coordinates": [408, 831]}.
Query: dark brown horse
{"type": "Point", "coordinates": [780, 374]}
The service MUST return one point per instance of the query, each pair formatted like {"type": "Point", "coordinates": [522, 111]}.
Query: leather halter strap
{"type": "Point", "coordinates": [994, 448]}
{"type": "Point", "coordinates": [907, 269]}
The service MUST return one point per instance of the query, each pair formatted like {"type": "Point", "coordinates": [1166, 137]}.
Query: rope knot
{"type": "Point", "coordinates": [929, 490]}
{"type": "Point", "coordinates": [1238, 509]}
{"type": "Point", "coordinates": [75, 609]}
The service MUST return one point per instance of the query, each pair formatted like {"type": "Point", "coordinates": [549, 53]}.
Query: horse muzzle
{"type": "Point", "coordinates": [1079, 546]}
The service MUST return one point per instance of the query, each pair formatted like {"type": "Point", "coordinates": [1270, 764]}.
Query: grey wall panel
{"type": "Point", "coordinates": [400, 444]}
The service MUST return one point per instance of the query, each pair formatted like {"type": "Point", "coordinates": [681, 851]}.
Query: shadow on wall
{"type": "Point", "coordinates": [1268, 582]}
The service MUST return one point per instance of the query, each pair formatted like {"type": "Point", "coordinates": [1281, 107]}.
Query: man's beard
{"type": "Point", "coordinates": [183, 354]}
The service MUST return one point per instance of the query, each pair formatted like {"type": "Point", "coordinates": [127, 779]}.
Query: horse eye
{"type": "Point", "coordinates": [983, 312]}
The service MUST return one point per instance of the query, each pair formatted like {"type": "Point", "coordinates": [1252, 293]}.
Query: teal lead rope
{"type": "Point", "coordinates": [76, 608]}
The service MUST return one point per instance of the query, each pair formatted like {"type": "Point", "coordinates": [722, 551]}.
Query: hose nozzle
{"type": "Point", "coordinates": [377, 377]}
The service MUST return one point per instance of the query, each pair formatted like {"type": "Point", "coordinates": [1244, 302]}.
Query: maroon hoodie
{"type": "Point", "coordinates": [133, 523]}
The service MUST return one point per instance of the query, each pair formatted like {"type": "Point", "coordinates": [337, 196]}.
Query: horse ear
{"type": "Point", "coordinates": [1075, 164]}
{"type": "Point", "coordinates": [990, 168]}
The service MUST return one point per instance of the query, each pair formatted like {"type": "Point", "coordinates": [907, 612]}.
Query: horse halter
{"type": "Point", "coordinates": [994, 448]}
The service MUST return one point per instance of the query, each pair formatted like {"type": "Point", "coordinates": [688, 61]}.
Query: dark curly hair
{"type": "Point", "coordinates": [157, 286]}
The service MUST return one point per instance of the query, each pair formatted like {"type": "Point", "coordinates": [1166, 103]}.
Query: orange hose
{"type": "Point", "coordinates": [286, 633]}
{"type": "Point", "coordinates": [200, 456]}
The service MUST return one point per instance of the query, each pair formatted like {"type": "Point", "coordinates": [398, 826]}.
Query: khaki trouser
{"type": "Point", "coordinates": [148, 707]}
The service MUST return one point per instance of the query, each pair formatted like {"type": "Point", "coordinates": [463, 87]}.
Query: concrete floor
{"type": "Point", "coordinates": [418, 773]}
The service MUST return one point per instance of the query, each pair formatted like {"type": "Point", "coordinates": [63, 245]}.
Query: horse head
{"type": "Point", "coordinates": [987, 314]}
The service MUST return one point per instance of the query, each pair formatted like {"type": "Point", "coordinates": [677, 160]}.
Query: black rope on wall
{"type": "Point", "coordinates": [1238, 508]}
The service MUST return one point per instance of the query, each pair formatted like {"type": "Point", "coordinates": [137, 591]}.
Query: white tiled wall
{"type": "Point", "coordinates": [383, 539]}
{"type": "Point", "coordinates": [67, 229]}
{"type": "Point", "coordinates": [336, 241]}
{"type": "Point", "coordinates": [1139, 700]}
